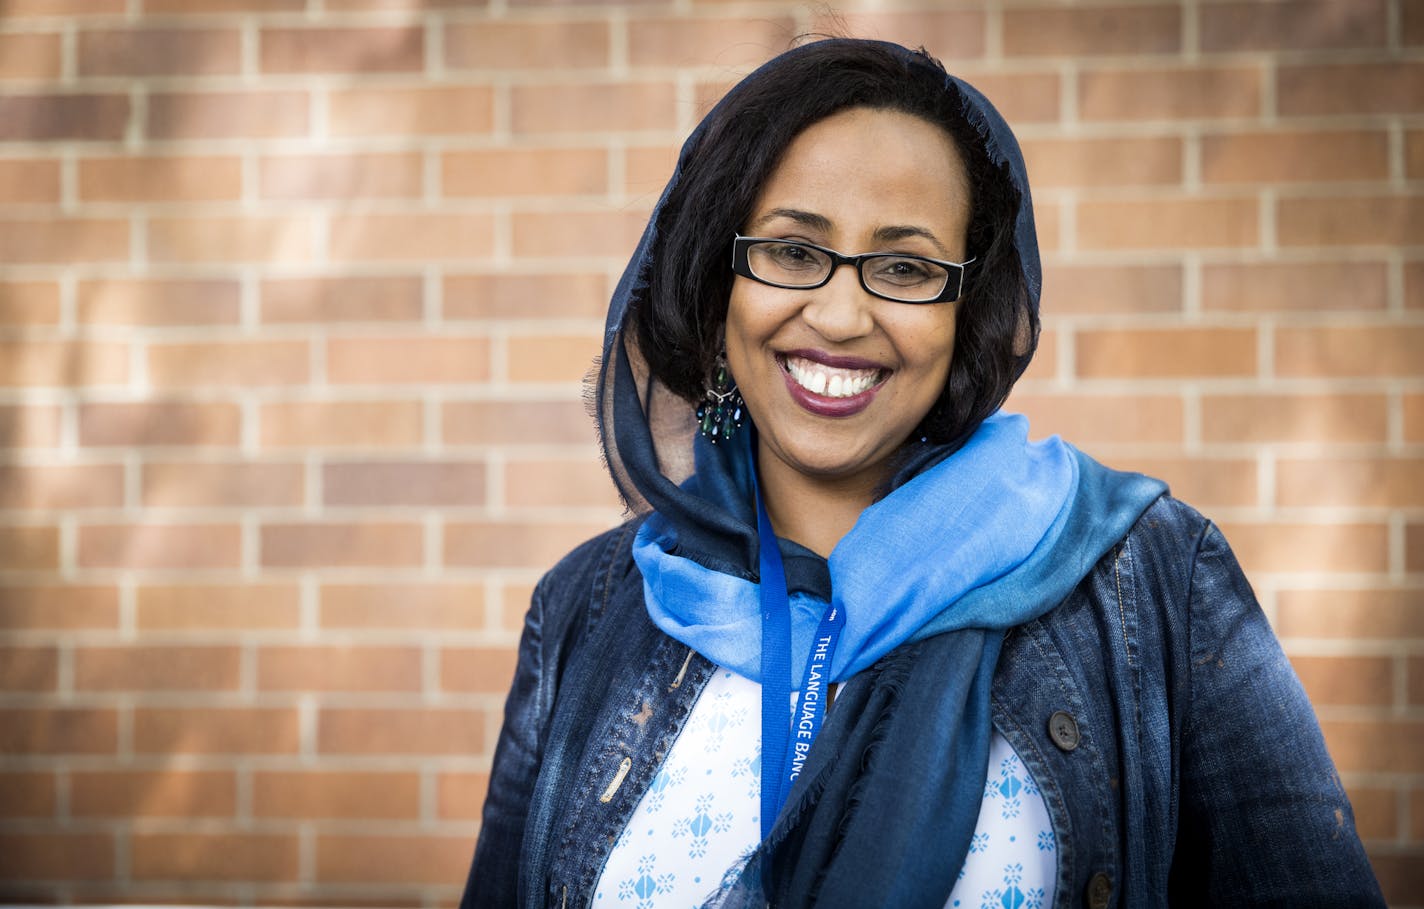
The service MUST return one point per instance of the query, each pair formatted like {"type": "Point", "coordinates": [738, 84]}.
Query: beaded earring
{"type": "Point", "coordinates": [722, 410]}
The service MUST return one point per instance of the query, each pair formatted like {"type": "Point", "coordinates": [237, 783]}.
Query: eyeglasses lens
{"type": "Point", "coordinates": [896, 277]}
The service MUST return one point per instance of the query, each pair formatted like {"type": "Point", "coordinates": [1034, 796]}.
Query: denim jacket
{"type": "Point", "coordinates": [1178, 756]}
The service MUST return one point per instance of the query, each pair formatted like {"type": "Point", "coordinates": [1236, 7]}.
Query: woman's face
{"type": "Point", "coordinates": [837, 379]}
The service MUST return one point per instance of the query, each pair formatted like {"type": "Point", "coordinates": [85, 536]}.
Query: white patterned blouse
{"type": "Point", "coordinates": [700, 818]}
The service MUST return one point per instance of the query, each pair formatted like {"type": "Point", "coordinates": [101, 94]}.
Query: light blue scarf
{"type": "Point", "coordinates": [970, 523]}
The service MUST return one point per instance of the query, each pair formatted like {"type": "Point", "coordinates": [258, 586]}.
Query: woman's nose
{"type": "Point", "coordinates": [840, 309]}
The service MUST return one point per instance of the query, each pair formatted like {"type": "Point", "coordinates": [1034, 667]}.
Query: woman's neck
{"type": "Point", "coordinates": [814, 511]}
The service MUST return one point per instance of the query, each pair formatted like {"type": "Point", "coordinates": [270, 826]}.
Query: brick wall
{"type": "Point", "coordinates": [295, 297]}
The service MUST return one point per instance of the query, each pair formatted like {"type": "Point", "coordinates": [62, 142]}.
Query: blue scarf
{"type": "Point", "coordinates": [930, 577]}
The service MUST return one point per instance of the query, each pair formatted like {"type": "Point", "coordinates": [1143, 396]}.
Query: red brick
{"type": "Point", "coordinates": [157, 668]}
{"type": "Point", "coordinates": [1350, 482]}
{"type": "Point", "coordinates": [1413, 547]}
{"type": "Point", "coordinates": [215, 730]}
{"type": "Point", "coordinates": [29, 181]}
{"type": "Point", "coordinates": [257, 238]}
{"type": "Point", "coordinates": [1412, 35]}
{"type": "Point", "coordinates": [1204, 482]}
{"type": "Point", "coordinates": [477, 669]}
{"type": "Point", "coordinates": [229, 364]}
{"type": "Point", "coordinates": [1167, 223]}
{"type": "Point", "coordinates": [31, 426]}
{"type": "Point", "coordinates": [552, 358]}
{"type": "Point", "coordinates": [703, 41]}
{"type": "Point", "coordinates": [1414, 418]}
{"type": "Point", "coordinates": [525, 296]}
{"type": "Point", "coordinates": [949, 34]}
{"type": "Point", "coordinates": [59, 608]}
{"type": "Point", "coordinates": [1366, 745]}
{"type": "Point", "coordinates": [27, 795]}
{"type": "Point", "coordinates": [444, 606]}
{"type": "Point", "coordinates": [1291, 547]}
{"type": "Point", "coordinates": [1295, 157]}
{"type": "Point", "coordinates": [159, 301]}
{"type": "Point", "coordinates": [218, 608]}
{"type": "Point", "coordinates": [1103, 419]}
{"type": "Point", "coordinates": [52, 8]}
{"type": "Point", "coordinates": [1295, 286]}
{"type": "Point", "coordinates": [1318, 89]}
{"type": "Point", "coordinates": [1228, 92]}
{"type": "Point", "coordinates": [1415, 672]}
{"type": "Point", "coordinates": [58, 730]}
{"type": "Point", "coordinates": [1309, 25]}
{"type": "Point", "coordinates": [494, 544]}
{"type": "Point", "coordinates": [1091, 289]}
{"type": "Point", "coordinates": [204, 7]}
{"type": "Point", "coordinates": [404, 730]}
{"type": "Point", "coordinates": [192, 856]}
{"type": "Point", "coordinates": [460, 796]}
{"type": "Point", "coordinates": [341, 424]}
{"type": "Point", "coordinates": [150, 51]}
{"type": "Point", "coordinates": [405, 483]}
{"type": "Point", "coordinates": [1122, 161]}
{"type": "Point", "coordinates": [372, 175]}
{"type": "Point", "coordinates": [228, 115]}
{"type": "Point", "coordinates": [1376, 812]}
{"type": "Point", "coordinates": [338, 299]}
{"type": "Point", "coordinates": [1022, 97]}
{"type": "Point", "coordinates": [1353, 221]}
{"type": "Point", "coordinates": [414, 237]}
{"type": "Point", "coordinates": [343, 50]}
{"type": "Point", "coordinates": [169, 792]}
{"type": "Point", "coordinates": [1167, 352]}
{"type": "Point", "coordinates": [593, 107]}
{"type": "Point", "coordinates": [30, 855]}
{"type": "Point", "coordinates": [1350, 614]}
{"type": "Point", "coordinates": [1414, 153]}
{"type": "Point", "coordinates": [1048, 31]}
{"type": "Point", "coordinates": [59, 241]}
{"type": "Point", "coordinates": [418, 359]}
{"type": "Point", "coordinates": [31, 56]}
{"type": "Point", "coordinates": [581, 483]}
{"type": "Point", "coordinates": [517, 423]}
{"type": "Point", "coordinates": [1349, 350]}
{"type": "Point", "coordinates": [563, 234]}
{"type": "Point", "coordinates": [203, 484]}
{"type": "Point", "coordinates": [1337, 418]}
{"type": "Point", "coordinates": [160, 546]}
{"type": "Point", "coordinates": [646, 169]}
{"type": "Point", "coordinates": [57, 118]}
{"type": "Point", "coordinates": [61, 363]}
{"type": "Point", "coordinates": [160, 179]}
{"type": "Point", "coordinates": [525, 172]}
{"type": "Point", "coordinates": [28, 668]}
{"type": "Point", "coordinates": [389, 544]}
{"type": "Point", "coordinates": [392, 859]}
{"type": "Point", "coordinates": [1414, 285]}
{"type": "Point", "coordinates": [29, 548]}
{"type": "Point", "coordinates": [1400, 875]}
{"type": "Point", "coordinates": [1347, 680]}
{"type": "Point", "coordinates": [422, 111]}
{"type": "Point", "coordinates": [54, 487]}
{"type": "Point", "coordinates": [336, 795]}
{"type": "Point", "coordinates": [523, 45]}
{"type": "Point", "coordinates": [159, 423]}
{"type": "Point", "coordinates": [338, 668]}
{"type": "Point", "coordinates": [399, 5]}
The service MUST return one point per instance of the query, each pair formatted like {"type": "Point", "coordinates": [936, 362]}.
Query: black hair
{"type": "Point", "coordinates": [682, 307]}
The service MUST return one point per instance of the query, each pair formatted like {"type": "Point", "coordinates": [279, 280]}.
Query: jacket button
{"type": "Point", "coordinates": [1063, 729]}
{"type": "Point", "coordinates": [1099, 891]}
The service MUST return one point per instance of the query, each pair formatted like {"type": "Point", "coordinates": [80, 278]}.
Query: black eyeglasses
{"type": "Point", "coordinates": [805, 266]}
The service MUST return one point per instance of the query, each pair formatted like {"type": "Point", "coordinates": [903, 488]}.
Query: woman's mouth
{"type": "Point", "coordinates": [831, 386]}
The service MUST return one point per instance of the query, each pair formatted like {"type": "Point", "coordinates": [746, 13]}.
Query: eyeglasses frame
{"type": "Point", "coordinates": [741, 265]}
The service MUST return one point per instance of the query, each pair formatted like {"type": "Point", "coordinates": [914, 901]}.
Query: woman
{"type": "Point", "coordinates": [864, 644]}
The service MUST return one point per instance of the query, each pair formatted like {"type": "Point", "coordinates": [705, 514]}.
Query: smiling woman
{"type": "Point", "coordinates": [878, 649]}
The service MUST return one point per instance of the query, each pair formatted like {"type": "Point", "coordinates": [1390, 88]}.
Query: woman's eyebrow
{"type": "Point", "coordinates": [808, 219]}
{"type": "Point", "coordinates": [893, 232]}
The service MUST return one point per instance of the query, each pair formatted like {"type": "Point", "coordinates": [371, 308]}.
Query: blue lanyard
{"type": "Point", "coordinates": [781, 765]}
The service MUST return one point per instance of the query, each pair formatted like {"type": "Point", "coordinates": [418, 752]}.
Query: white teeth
{"type": "Point", "coordinates": [828, 381]}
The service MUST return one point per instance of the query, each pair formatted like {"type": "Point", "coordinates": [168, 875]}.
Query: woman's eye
{"type": "Point", "coordinates": [903, 272]}
{"type": "Point", "coordinates": [789, 256]}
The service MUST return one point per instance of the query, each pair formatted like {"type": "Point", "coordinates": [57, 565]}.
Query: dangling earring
{"type": "Point", "coordinates": [720, 414]}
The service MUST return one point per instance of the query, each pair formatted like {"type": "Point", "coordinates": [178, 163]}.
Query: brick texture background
{"type": "Point", "coordinates": [295, 297]}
